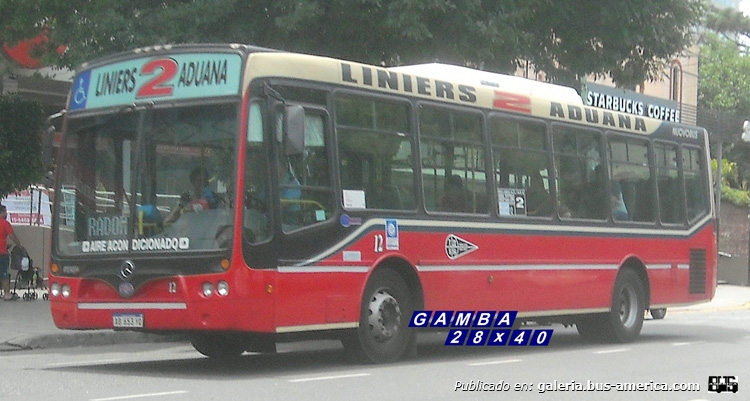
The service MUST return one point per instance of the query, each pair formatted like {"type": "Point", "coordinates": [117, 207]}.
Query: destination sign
{"type": "Point", "coordinates": [177, 76]}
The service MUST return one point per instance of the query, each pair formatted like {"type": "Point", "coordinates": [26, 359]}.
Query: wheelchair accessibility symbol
{"type": "Point", "coordinates": [79, 95]}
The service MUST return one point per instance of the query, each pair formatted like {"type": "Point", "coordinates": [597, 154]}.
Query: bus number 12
{"type": "Point", "coordinates": [378, 243]}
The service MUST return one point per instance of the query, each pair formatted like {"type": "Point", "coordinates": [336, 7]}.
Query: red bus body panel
{"type": "Point", "coordinates": [537, 275]}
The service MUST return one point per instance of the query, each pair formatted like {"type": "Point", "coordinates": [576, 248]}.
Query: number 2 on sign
{"type": "Point", "coordinates": [167, 70]}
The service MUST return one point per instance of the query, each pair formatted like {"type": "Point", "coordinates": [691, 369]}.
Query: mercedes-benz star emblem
{"type": "Point", "coordinates": [127, 268]}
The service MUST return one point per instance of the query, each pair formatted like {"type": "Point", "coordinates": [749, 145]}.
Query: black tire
{"type": "Point", "coordinates": [624, 321]}
{"type": "Point", "coordinates": [383, 334]}
{"type": "Point", "coordinates": [218, 345]}
{"type": "Point", "coordinates": [590, 328]}
{"type": "Point", "coordinates": [658, 314]}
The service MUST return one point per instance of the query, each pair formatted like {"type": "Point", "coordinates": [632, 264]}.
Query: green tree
{"type": "Point", "coordinates": [724, 72]}
{"type": "Point", "coordinates": [730, 24]}
{"type": "Point", "coordinates": [724, 93]}
{"type": "Point", "coordinates": [627, 40]}
{"type": "Point", "coordinates": [731, 189]}
{"type": "Point", "coordinates": [21, 124]}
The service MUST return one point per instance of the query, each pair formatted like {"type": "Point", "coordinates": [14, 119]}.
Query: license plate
{"type": "Point", "coordinates": [127, 320]}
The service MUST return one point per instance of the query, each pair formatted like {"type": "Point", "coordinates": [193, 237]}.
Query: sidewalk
{"type": "Point", "coordinates": [727, 297]}
{"type": "Point", "coordinates": [28, 324]}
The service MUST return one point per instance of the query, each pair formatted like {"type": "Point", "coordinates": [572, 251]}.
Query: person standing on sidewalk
{"type": "Point", "coordinates": [6, 231]}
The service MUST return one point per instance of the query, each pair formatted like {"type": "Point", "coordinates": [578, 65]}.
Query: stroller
{"type": "Point", "coordinates": [28, 276]}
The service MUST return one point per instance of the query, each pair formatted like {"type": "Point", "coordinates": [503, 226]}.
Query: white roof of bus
{"type": "Point", "coordinates": [530, 87]}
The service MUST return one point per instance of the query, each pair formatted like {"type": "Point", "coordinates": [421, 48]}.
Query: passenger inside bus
{"type": "Point", "coordinates": [455, 198]}
{"type": "Point", "coordinates": [595, 196]}
{"type": "Point", "coordinates": [619, 210]}
{"type": "Point", "coordinates": [538, 199]}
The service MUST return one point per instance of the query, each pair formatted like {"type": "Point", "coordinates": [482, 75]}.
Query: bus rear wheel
{"type": "Point", "coordinates": [218, 345]}
{"type": "Point", "coordinates": [658, 314]}
{"type": "Point", "coordinates": [383, 334]}
{"type": "Point", "coordinates": [624, 321]}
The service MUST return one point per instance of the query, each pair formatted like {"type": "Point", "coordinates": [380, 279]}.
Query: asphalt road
{"type": "Point", "coordinates": [683, 350]}
{"type": "Point", "coordinates": [28, 325]}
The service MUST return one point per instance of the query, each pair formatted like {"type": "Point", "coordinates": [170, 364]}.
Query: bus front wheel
{"type": "Point", "coordinates": [383, 334]}
{"type": "Point", "coordinates": [218, 345]}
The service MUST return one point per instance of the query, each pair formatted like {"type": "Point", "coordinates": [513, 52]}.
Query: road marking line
{"type": "Point", "coordinates": [126, 397]}
{"type": "Point", "coordinates": [688, 343]}
{"type": "Point", "coordinates": [328, 377]}
{"type": "Point", "coordinates": [495, 362]}
{"type": "Point", "coordinates": [611, 351]}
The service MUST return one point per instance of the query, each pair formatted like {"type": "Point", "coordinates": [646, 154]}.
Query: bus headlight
{"type": "Point", "coordinates": [222, 288]}
{"type": "Point", "coordinates": [54, 289]}
{"type": "Point", "coordinates": [65, 291]}
{"type": "Point", "coordinates": [208, 289]}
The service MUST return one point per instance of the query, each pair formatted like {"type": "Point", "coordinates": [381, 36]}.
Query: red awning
{"type": "Point", "coordinates": [21, 52]}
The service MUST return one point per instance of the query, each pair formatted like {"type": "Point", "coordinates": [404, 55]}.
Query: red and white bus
{"type": "Point", "coordinates": [342, 197]}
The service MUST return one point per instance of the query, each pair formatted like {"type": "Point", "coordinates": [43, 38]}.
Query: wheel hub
{"type": "Point", "coordinates": [384, 316]}
{"type": "Point", "coordinates": [628, 307]}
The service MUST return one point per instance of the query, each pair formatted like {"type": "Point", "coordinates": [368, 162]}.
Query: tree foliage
{"type": "Point", "coordinates": [730, 24]}
{"type": "Point", "coordinates": [724, 83]}
{"type": "Point", "coordinates": [627, 40]}
{"type": "Point", "coordinates": [724, 76]}
{"type": "Point", "coordinates": [21, 124]}
{"type": "Point", "coordinates": [724, 92]}
{"type": "Point", "coordinates": [732, 190]}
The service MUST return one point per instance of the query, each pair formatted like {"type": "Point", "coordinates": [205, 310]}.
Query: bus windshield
{"type": "Point", "coordinates": [155, 180]}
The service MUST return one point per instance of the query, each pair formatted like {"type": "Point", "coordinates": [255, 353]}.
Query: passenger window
{"type": "Point", "coordinates": [257, 219]}
{"type": "Point", "coordinates": [452, 155]}
{"type": "Point", "coordinates": [581, 175]}
{"type": "Point", "coordinates": [375, 153]}
{"type": "Point", "coordinates": [305, 191]}
{"type": "Point", "coordinates": [521, 167]}
{"type": "Point", "coordinates": [669, 188]}
{"type": "Point", "coordinates": [630, 180]}
{"type": "Point", "coordinates": [695, 182]}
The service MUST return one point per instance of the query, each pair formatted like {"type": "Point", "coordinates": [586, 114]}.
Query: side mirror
{"type": "Point", "coordinates": [294, 130]}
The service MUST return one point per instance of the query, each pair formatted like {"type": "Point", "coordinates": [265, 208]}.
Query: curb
{"type": "Point", "coordinates": [85, 339]}
{"type": "Point", "coordinates": [744, 306]}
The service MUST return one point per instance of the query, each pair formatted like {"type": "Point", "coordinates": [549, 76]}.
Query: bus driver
{"type": "Point", "coordinates": [201, 197]}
